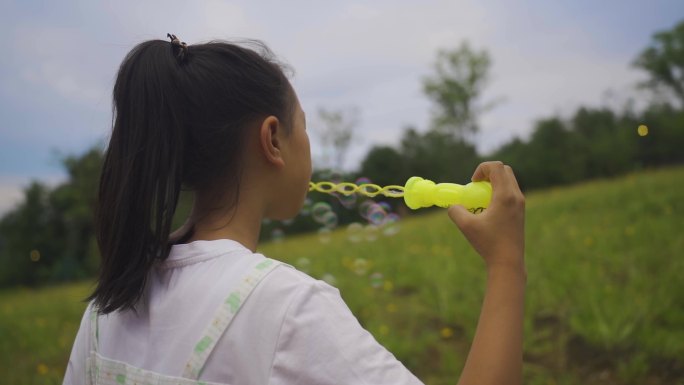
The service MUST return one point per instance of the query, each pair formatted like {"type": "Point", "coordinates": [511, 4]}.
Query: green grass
{"type": "Point", "coordinates": [37, 329]}
{"type": "Point", "coordinates": [605, 295]}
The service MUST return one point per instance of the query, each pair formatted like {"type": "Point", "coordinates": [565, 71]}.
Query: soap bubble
{"type": "Point", "coordinates": [319, 210]}
{"type": "Point", "coordinates": [376, 280]}
{"type": "Point", "coordinates": [303, 264]}
{"type": "Point", "coordinates": [329, 220]}
{"type": "Point", "coordinates": [355, 232]}
{"type": "Point", "coordinates": [348, 201]}
{"type": "Point", "coordinates": [391, 225]}
{"type": "Point", "coordinates": [324, 235]}
{"type": "Point", "coordinates": [362, 180]}
{"type": "Point", "coordinates": [277, 235]}
{"type": "Point", "coordinates": [329, 279]}
{"type": "Point", "coordinates": [365, 207]}
{"type": "Point", "coordinates": [376, 215]}
{"type": "Point", "coordinates": [385, 205]}
{"type": "Point", "coordinates": [370, 232]}
{"type": "Point", "coordinates": [360, 266]}
{"type": "Point", "coordinates": [336, 176]}
{"type": "Point", "coordinates": [306, 208]}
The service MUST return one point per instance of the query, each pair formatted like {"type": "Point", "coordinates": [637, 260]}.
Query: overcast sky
{"type": "Point", "coordinates": [59, 59]}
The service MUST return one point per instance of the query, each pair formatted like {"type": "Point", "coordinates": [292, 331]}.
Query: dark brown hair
{"type": "Point", "coordinates": [178, 120]}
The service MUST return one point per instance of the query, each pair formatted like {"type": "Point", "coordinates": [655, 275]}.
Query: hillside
{"type": "Point", "coordinates": [605, 297]}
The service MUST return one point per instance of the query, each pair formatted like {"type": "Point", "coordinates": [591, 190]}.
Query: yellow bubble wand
{"type": "Point", "coordinates": [418, 192]}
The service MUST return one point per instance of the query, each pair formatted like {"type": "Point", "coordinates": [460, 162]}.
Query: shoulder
{"type": "Point", "coordinates": [287, 284]}
{"type": "Point", "coordinates": [320, 341]}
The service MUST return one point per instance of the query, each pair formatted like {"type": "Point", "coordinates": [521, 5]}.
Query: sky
{"type": "Point", "coordinates": [548, 57]}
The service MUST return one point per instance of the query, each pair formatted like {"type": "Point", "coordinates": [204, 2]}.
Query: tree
{"type": "Point", "coordinates": [49, 237]}
{"type": "Point", "coordinates": [664, 62]}
{"type": "Point", "coordinates": [384, 166]}
{"type": "Point", "coordinates": [440, 156]}
{"type": "Point", "coordinates": [337, 132]}
{"type": "Point", "coordinates": [454, 89]}
{"type": "Point", "coordinates": [555, 155]}
{"type": "Point", "coordinates": [608, 143]}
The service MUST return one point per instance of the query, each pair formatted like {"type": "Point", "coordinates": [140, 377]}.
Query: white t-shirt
{"type": "Point", "coordinates": [292, 329]}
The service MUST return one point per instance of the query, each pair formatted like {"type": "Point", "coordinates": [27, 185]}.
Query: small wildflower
{"type": "Point", "coordinates": [446, 332]}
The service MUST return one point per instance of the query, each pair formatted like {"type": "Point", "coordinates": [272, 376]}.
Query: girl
{"type": "Point", "coordinates": [199, 305]}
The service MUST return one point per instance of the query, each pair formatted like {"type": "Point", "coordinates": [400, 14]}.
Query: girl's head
{"type": "Point", "coordinates": [182, 116]}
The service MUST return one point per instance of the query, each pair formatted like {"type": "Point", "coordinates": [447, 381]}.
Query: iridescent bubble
{"type": "Point", "coordinates": [362, 180]}
{"type": "Point", "coordinates": [306, 208]}
{"type": "Point", "coordinates": [376, 215]}
{"type": "Point", "coordinates": [336, 176]}
{"type": "Point", "coordinates": [360, 266]}
{"type": "Point", "coordinates": [303, 264]}
{"type": "Point", "coordinates": [376, 280]}
{"type": "Point", "coordinates": [348, 201]}
{"type": "Point", "coordinates": [277, 235]}
{"type": "Point", "coordinates": [324, 235]}
{"type": "Point", "coordinates": [370, 232]}
{"type": "Point", "coordinates": [365, 207]}
{"type": "Point", "coordinates": [385, 205]}
{"type": "Point", "coordinates": [319, 210]}
{"type": "Point", "coordinates": [329, 220]}
{"type": "Point", "coordinates": [329, 279]}
{"type": "Point", "coordinates": [355, 232]}
{"type": "Point", "coordinates": [391, 225]}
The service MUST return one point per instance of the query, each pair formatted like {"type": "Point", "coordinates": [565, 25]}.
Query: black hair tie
{"type": "Point", "coordinates": [178, 45]}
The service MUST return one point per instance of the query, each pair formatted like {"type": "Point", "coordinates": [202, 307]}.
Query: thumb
{"type": "Point", "coordinates": [459, 215]}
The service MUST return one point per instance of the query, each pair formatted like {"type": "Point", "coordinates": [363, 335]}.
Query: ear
{"type": "Point", "coordinates": [270, 135]}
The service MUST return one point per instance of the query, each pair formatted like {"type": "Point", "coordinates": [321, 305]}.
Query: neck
{"type": "Point", "coordinates": [241, 223]}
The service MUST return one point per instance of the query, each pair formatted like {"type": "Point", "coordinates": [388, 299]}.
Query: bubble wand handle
{"type": "Point", "coordinates": [474, 196]}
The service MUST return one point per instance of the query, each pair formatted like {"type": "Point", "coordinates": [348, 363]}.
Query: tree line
{"type": "Point", "coordinates": [49, 236]}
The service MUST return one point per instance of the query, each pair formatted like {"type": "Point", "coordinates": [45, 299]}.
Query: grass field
{"type": "Point", "coordinates": [605, 294]}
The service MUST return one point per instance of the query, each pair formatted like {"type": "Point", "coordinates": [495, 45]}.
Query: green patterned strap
{"type": "Point", "coordinates": [94, 335]}
{"type": "Point", "coordinates": [223, 317]}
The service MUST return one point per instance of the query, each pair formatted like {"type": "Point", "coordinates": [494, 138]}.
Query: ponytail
{"type": "Point", "coordinates": [141, 176]}
{"type": "Point", "coordinates": [179, 119]}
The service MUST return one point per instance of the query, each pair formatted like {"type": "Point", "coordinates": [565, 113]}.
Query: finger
{"type": "Point", "coordinates": [485, 169]}
{"type": "Point", "coordinates": [511, 176]}
{"type": "Point", "coordinates": [459, 215]}
{"type": "Point", "coordinates": [495, 173]}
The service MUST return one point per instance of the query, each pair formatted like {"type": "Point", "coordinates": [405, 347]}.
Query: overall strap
{"type": "Point", "coordinates": [223, 317]}
{"type": "Point", "coordinates": [94, 332]}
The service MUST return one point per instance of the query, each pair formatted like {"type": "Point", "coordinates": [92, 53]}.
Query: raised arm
{"type": "Point", "coordinates": [498, 235]}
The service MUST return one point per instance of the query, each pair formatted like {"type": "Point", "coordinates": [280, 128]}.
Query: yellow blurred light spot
{"type": "Point", "coordinates": [630, 230]}
{"type": "Point", "coordinates": [42, 369]}
{"type": "Point", "coordinates": [642, 130]}
{"type": "Point", "coordinates": [391, 308]}
{"type": "Point", "coordinates": [384, 329]}
{"type": "Point", "coordinates": [588, 241]}
{"type": "Point", "coordinates": [388, 286]}
{"type": "Point", "coordinates": [446, 332]}
{"type": "Point", "coordinates": [35, 255]}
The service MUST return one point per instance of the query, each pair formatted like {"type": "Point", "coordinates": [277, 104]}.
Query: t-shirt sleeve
{"type": "Point", "coordinates": [76, 368]}
{"type": "Point", "coordinates": [321, 342]}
